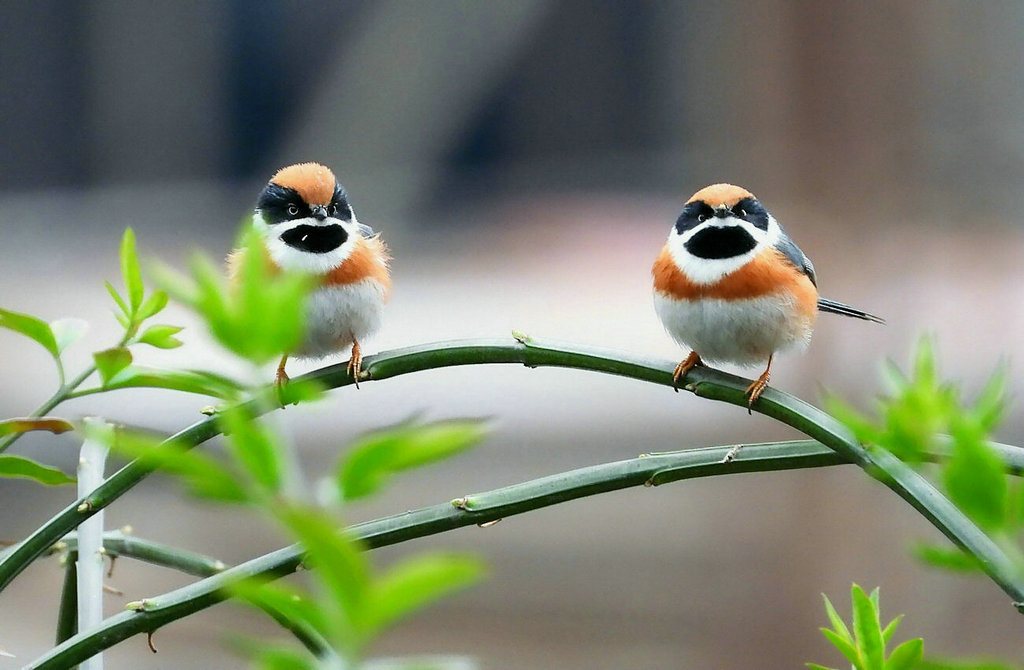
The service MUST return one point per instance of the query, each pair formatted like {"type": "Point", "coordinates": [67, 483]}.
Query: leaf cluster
{"type": "Point", "coordinates": [922, 415]}
{"type": "Point", "coordinates": [864, 646]}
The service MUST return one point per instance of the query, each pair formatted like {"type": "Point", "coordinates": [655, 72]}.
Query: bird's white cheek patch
{"type": "Point", "coordinates": [290, 258]}
{"type": "Point", "coordinates": [340, 314]}
{"type": "Point", "coordinates": [744, 332]}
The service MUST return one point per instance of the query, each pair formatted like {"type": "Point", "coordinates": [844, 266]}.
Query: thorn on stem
{"type": "Point", "coordinates": [461, 503]}
{"type": "Point", "coordinates": [488, 524]}
{"type": "Point", "coordinates": [110, 570]}
{"type": "Point", "coordinates": [149, 641]}
{"type": "Point", "coordinates": [731, 454]}
{"type": "Point", "coordinates": [84, 507]}
{"type": "Point", "coordinates": [107, 588]}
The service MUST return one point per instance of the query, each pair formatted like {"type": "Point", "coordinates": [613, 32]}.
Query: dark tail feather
{"type": "Point", "coordinates": [826, 305]}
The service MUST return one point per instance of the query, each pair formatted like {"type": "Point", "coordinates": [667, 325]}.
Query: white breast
{"type": "Point", "coordinates": [338, 315]}
{"type": "Point", "coordinates": [744, 332]}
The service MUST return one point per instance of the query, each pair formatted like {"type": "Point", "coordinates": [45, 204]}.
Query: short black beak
{"type": "Point", "coordinates": [722, 211]}
{"type": "Point", "coordinates": [319, 212]}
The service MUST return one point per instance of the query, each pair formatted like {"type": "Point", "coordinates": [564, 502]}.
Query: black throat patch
{"type": "Point", "coordinates": [727, 242]}
{"type": "Point", "coordinates": [315, 239]}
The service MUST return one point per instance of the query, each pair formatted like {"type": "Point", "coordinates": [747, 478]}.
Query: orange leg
{"type": "Point", "coordinates": [687, 364]}
{"type": "Point", "coordinates": [355, 363]}
{"type": "Point", "coordinates": [755, 389]}
{"type": "Point", "coordinates": [281, 379]}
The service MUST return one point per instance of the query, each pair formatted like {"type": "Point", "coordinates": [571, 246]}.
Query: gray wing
{"type": "Point", "coordinates": [796, 257]}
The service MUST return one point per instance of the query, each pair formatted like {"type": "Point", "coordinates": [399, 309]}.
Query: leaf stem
{"type": "Point", "coordinates": [62, 394]}
{"type": "Point", "coordinates": [67, 612]}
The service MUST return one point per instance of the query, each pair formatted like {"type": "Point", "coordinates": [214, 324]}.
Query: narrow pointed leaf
{"type": "Point", "coordinates": [414, 584]}
{"type": "Point", "coordinates": [161, 336]}
{"type": "Point", "coordinates": [118, 300]}
{"type": "Point", "coordinates": [254, 447]}
{"type": "Point", "coordinates": [111, 361]}
{"type": "Point", "coordinates": [68, 331]}
{"type": "Point", "coordinates": [906, 656]}
{"type": "Point", "coordinates": [815, 666]}
{"type": "Point", "coordinates": [187, 381]}
{"type": "Point", "coordinates": [24, 425]}
{"type": "Point", "coordinates": [130, 271]}
{"type": "Point", "coordinates": [867, 630]}
{"type": "Point", "coordinates": [283, 599]}
{"type": "Point", "coordinates": [887, 633]}
{"type": "Point", "coordinates": [339, 563]}
{"type": "Point", "coordinates": [372, 460]}
{"type": "Point", "coordinates": [975, 478]}
{"type": "Point", "coordinates": [837, 621]}
{"type": "Point", "coordinates": [30, 327]}
{"type": "Point", "coordinates": [17, 466]}
{"type": "Point", "coordinates": [153, 305]}
{"type": "Point", "coordinates": [846, 647]}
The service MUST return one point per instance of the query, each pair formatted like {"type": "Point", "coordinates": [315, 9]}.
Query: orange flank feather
{"type": "Point", "coordinates": [369, 259]}
{"type": "Point", "coordinates": [314, 182]}
{"type": "Point", "coordinates": [763, 275]}
{"type": "Point", "coordinates": [716, 194]}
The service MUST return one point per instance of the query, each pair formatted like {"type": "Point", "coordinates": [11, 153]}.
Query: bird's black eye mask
{"type": "Point", "coordinates": [280, 204]}
{"type": "Point", "coordinates": [696, 213]}
{"type": "Point", "coordinates": [315, 239]}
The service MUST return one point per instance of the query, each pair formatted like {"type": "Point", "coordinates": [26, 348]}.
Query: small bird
{"type": "Point", "coordinates": [733, 287]}
{"type": "Point", "coordinates": [307, 225]}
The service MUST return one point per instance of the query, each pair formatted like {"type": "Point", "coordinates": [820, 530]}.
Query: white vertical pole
{"type": "Point", "coordinates": [91, 462]}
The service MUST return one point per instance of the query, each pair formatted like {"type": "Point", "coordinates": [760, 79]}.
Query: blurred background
{"type": "Point", "coordinates": [525, 160]}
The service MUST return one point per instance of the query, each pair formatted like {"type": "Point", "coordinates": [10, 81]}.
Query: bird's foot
{"type": "Point", "coordinates": [355, 363]}
{"type": "Point", "coordinates": [687, 364]}
{"type": "Point", "coordinates": [755, 390]}
{"type": "Point", "coordinates": [281, 380]}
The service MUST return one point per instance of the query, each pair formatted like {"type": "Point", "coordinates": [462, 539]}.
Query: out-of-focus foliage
{"type": "Point", "coordinates": [864, 646]}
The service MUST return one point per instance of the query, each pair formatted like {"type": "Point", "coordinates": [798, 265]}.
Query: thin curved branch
{"type": "Point", "coordinates": [702, 381]}
{"type": "Point", "coordinates": [647, 471]}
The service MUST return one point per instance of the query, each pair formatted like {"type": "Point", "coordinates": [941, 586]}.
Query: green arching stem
{"type": "Point", "coordinates": [647, 471]}
{"type": "Point", "coordinates": [704, 382]}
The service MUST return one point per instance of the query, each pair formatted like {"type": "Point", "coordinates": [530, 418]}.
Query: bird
{"type": "Point", "coordinates": [732, 286]}
{"type": "Point", "coordinates": [306, 224]}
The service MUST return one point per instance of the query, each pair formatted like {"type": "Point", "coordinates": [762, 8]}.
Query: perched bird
{"type": "Point", "coordinates": [733, 287]}
{"type": "Point", "coordinates": [307, 225]}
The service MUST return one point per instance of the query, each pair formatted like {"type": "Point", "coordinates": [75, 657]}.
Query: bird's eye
{"type": "Point", "coordinates": [334, 210]}
{"type": "Point", "coordinates": [743, 213]}
{"type": "Point", "coordinates": [293, 210]}
{"type": "Point", "coordinates": [702, 218]}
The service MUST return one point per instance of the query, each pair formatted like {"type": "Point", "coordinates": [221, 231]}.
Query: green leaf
{"type": "Point", "coordinates": [414, 584]}
{"type": "Point", "coordinates": [815, 666]}
{"type": "Point", "coordinates": [118, 300]}
{"type": "Point", "coordinates": [951, 558]}
{"type": "Point", "coordinates": [254, 447]}
{"type": "Point", "coordinates": [283, 600]}
{"type": "Point", "coordinates": [203, 475]}
{"type": "Point", "coordinates": [187, 381]}
{"type": "Point", "coordinates": [153, 305]}
{"type": "Point", "coordinates": [867, 630]}
{"type": "Point", "coordinates": [130, 271]}
{"type": "Point", "coordinates": [837, 621]}
{"type": "Point", "coordinates": [339, 564]}
{"type": "Point", "coordinates": [68, 331]}
{"type": "Point", "coordinates": [17, 466]}
{"type": "Point", "coordinates": [846, 647]}
{"type": "Point", "coordinates": [111, 361]}
{"type": "Point", "coordinates": [889, 630]}
{"type": "Point", "coordinates": [976, 480]}
{"type": "Point", "coordinates": [161, 336]}
{"type": "Point", "coordinates": [377, 456]}
{"type": "Point", "coordinates": [31, 327]}
{"type": "Point", "coordinates": [26, 424]}
{"type": "Point", "coordinates": [906, 656]}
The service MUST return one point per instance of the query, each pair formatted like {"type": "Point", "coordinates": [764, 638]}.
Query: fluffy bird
{"type": "Point", "coordinates": [307, 225]}
{"type": "Point", "coordinates": [733, 287]}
